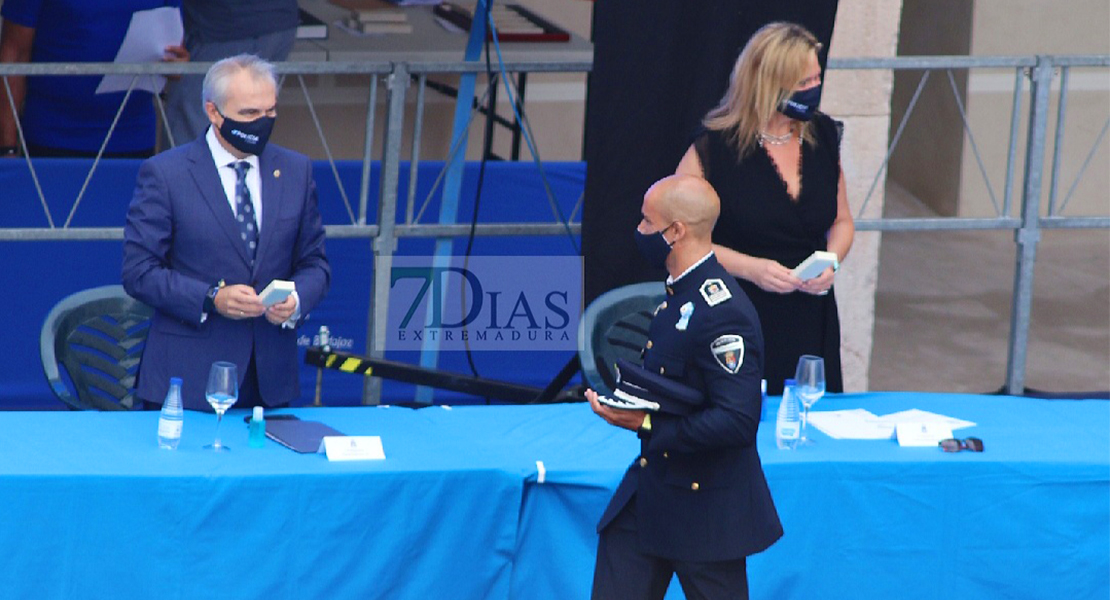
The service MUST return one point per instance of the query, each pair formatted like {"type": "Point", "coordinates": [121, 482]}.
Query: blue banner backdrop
{"type": "Point", "coordinates": [39, 274]}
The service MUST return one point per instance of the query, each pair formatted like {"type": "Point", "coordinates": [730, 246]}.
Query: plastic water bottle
{"type": "Point", "coordinates": [788, 425]}
{"type": "Point", "coordinates": [257, 438]}
{"type": "Point", "coordinates": [172, 417]}
{"type": "Point", "coordinates": [323, 339]}
{"type": "Point", "coordinates": [770, 409]}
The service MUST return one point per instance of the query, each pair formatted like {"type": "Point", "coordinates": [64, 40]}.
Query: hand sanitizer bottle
{"type": "Point", "coordinates": [258, 429]}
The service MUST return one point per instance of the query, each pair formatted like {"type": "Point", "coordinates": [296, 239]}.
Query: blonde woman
{"type": "Point", "coordinates": [775, 162]}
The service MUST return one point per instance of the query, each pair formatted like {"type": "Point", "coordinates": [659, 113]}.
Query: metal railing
{"type": "Point", "coordinates": [1039, 71]}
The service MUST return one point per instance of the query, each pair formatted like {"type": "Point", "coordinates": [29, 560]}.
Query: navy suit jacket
{"type": "Point", "coordinates": [699, 487]}
{"type": "Point", "coordinates": [181, 238]}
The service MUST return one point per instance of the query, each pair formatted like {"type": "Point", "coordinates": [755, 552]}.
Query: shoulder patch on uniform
{"type": "Point", "coordinates": [728, 350]}
{"type": "Point", "coordinates": [714, 291]}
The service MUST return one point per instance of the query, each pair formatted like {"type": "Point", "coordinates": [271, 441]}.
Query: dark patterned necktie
{"type": "Point", "coordinates": [244, 210]}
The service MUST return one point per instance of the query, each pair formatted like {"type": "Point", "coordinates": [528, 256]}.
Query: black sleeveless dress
{"type": "Point", "coordinates": [759, 218]}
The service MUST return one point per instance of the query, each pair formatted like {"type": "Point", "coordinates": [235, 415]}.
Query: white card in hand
{"type": "Point", "coordinates": [815, 265]}
{"type": "Point", "coordinates": [276, 292]}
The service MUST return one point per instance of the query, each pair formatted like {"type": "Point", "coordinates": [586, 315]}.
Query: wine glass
{"type": "Point", "coordinates": [809, 385]}
{"type": "Point", "coordinates": [222, 392]}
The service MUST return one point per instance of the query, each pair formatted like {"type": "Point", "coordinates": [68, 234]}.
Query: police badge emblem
{"type": "Point", "coordinates": [714, 292]}
{"type": "Point", "coordinates": [728, 350]}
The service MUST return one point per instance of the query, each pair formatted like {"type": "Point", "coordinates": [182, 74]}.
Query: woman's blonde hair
{"type": "Point", "coordinates": [771, 65]}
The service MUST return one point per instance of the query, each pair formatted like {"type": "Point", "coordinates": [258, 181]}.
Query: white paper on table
{"type": "Point", "coordinates": [921, 434]}
{"type": "Point", "coordinates": [853, 424]}
{"type": "Point", "coordinates": [146, 40]}
{"type": "Point", "coordinates": [915, 415]}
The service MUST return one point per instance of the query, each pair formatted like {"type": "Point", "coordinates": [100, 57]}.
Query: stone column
{"type": "Point", "coordinates": [864, 28]}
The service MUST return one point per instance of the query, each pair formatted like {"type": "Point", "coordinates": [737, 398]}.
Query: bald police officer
{"type": "Point", "coordinates": [695, 502]}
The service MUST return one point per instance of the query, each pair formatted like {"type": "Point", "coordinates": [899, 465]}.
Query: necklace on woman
{"type": "Point", "coordinates": [775, 140]}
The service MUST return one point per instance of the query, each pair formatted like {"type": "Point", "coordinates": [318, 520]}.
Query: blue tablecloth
{"type": "Point", "coordinates": [92, 508]}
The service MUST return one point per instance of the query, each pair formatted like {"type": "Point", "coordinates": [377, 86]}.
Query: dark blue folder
{"type": "Point", "coordinates": [302, 436]}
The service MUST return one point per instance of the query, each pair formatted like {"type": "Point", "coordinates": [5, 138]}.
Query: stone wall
{"type": "Point", "coordinates": [864, 28]}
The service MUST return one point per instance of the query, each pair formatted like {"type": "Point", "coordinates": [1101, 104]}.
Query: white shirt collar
{"type": "Point", "coordinates": [671, 280]}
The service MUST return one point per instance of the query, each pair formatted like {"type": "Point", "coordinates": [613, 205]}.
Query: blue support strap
{"type": "Point", "coordinates": [452, 182]}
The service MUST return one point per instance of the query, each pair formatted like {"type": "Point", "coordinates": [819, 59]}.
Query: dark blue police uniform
{"type": "Point", "coordinates": [697, 493]}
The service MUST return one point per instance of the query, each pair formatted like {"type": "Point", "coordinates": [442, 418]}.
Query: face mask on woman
{"type": "Point", "coordinates": [801, 105]}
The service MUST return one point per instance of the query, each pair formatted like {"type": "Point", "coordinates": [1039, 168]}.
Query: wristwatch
{"type": "Point", "coordinates": [210, 299]}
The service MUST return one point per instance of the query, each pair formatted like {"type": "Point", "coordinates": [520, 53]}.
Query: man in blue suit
{"type": "Point", "coordinates": [695, 502]}
{"type": "Point", "coordinates": [211, 224]}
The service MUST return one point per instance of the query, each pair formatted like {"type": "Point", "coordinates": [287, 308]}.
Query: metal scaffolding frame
{"type": "Point", "coordinates": [1039, 71]}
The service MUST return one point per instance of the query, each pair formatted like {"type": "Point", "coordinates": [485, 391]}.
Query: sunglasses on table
{"type": "Point", "coordinates": [972, 444]}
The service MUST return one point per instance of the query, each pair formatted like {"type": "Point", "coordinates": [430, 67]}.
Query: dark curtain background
{"type": "Point", "coordinates": [659, 66]}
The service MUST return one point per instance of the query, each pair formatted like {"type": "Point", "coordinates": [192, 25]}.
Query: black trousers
{"type": "Point", "coordinates": [622, 572]}
{"type": "Point", "coordinates": [248, 392]}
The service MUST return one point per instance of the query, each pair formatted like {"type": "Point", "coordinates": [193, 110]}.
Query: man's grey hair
{"type": "Point", "coordinates": [218, 76]}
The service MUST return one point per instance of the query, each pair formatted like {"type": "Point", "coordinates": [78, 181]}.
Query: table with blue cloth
{"type": "Point", "coordinates": [492, 502]}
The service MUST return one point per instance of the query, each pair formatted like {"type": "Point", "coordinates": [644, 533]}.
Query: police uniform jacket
{"type": "Point", "coordinates": [698, 483]}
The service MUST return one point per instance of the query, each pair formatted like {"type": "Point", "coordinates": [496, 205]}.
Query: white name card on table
{"type": "Point", "coordinates": [352, 447]}
{"type": "Point", "coordinates": [921, 434]}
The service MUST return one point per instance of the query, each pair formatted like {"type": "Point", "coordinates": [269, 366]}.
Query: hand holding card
{"type": "Point", "coordinates": [816, 264]}
{"type": "Point", "coordinates": [276, 292]}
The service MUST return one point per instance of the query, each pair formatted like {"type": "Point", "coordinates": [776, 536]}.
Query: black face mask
{"type": "Point", "coordinates": [654, 247]}
{"type": "Point", "coordinates": [247, 136]}
{"type": "Point", "coordinates": [801, 105]}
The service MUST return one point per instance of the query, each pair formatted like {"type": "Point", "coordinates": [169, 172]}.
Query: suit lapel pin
{"type": "Point", "coordinates": [277, 173]}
